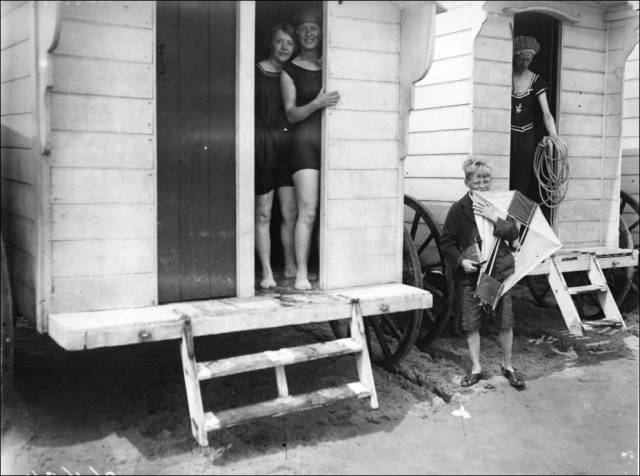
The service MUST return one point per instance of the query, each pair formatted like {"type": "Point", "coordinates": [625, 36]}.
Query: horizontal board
{"type": "Point", "coordinates": [103, 257]}
{"type": "Point", "coordinates": [356, 125]}
{"type": "Point", "coordinates": [19, 232]}
{"type": "Point", "coordinates": [581, 103]}
{"type": "Point", "coordinates": [629, 182]}
{"type": "Point", "coordinates": [375, 11]}
{"type": "Point", "coordinates": [22, 266]}
{"type": "Point", "coordinates": [589, 16]}
{"type": "Point", "coordinates": [630, 164]}
{"type": "Point", "coordinates": [439, 211]}
{"type": "Point", "coordinates": [95, 293]}
{"type": "Point", "coordinates": [612, 147]}
{"type": "Point", "coordinates": [16, 97]}
{"type": "Point", "coordinates": [16, 62]}
{"type": "Point", "coordinates": [630, 107]}
{"type": "Point", "coordinates": [582, 81]}
{"type": "Point", "coordinates": [492, 120]}
{"type": "Point", "coordinates": [343, 184]}
{"type": "Point", "coordinates": [71, 185]}
{"type": "Point", "coordinates": [101, 77]}
{"type": "Point", "coordinates": [455, 44]}
{"type": "Point", "coordinates": [578, 233]}
{"type": "Point", "coordinates": [351, 154]}
{"type": "Point", "coordinates": [442, 118]}
{"type": "Point", "coordinates": [18, 165]}
{"type": "Point", "coordinates": [630, 127]}
{"type": "Point", "coordinates": [361, 213]}
{"type": "Point", "coordinates": [490, 72]}
{"type": "Point", "coordinates": [631, 88]}
{"type": "Point", "coordinates": [439, 189]}
{"type": "Point", "coordinates": [105, 114]}
{"type": "Point", "coordinates": [450, 166]}
{"type": "Point", "coordinates": [346, 243]}
{"type": "Point", "coordinates": [586, 38]}
{"type": "Point", "coordinates": [580, 124]}
{"type": "Point", "coordinates": [592, 168]}
{"type": "Point", "coordinates": [453, 21]}
{"type": "Point", "coordinates": [614, 103]}
{"type": "Point", "coordinates": [583, 146]}
{"type": "Point", "coordinates": [105, 41]}
{"type": "Point", "coordinates": [632, 67]}
{"type": "Point", "coordinates": [488, 95]}
{"type": "Point", "coordinates": [105, 150]}
{"type": "Point", "coordinates": [17, 131]}
{"type": "Point", "coordinates": [367, 65]}
{"type": "Point", "coordinates": [367, 95]}
{"type": "Point", "coordinates": [629, 143]}
{"type": "Point", "coordinates": [584, 189]}
{"type": "Point", "coordinates": [440, 142]}
{"type": "Point", "coordinates": [360, 34]}
{"type": "Point", "coordinates": [613, 125]}
{"type": "Point", "coordinates": [99, 221]}
{"type": "Point", "coordinates": [448, 69]}
{"type": "Point", "coordinates": [491, 143]}
{"type": "Point", "coordinates": [15, 25]}
{"type": "Point", "coordinates": [496, 26]}
{"type": "Point", "coordinates": [19, 198]}
{"type": "Point", "coordinates": [362, 271]}
{"type": "Point", "coordinates": [444, 94]}
{"type": "Point", "coordinates": [583, 59]}
{"type": "Point", "coordinates": [137, 13]}
{"type": "Point", "coordinates": [493, 49]}
{"type": "Point", "coordinates": [580, 210]}
{"type": "Point", "coordinates": [7, 6]}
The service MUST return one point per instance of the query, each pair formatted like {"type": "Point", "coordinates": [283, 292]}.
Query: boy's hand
{"type": "Point", "coordinates": [486, 210]}
{"type": "Point", "coordinates": [469, 266]}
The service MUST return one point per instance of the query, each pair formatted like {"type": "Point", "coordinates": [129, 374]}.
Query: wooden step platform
{"type": "Point", "coordinates": [89, 330]}
{"type": "Point", "coordinates": [579, 259]}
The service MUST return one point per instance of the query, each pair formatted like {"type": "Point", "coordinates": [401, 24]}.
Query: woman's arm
{"type": "Point", "coordinates": [549, 123]}
{"type": "Point", "coordinates": [300, 113]}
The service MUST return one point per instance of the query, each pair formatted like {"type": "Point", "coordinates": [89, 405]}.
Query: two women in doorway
{"type": "Point", "coordinates": [289, 98]}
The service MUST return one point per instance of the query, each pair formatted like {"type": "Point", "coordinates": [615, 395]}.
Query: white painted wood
{"type": "Point", "coordinates": [363, 363]}
{"type": "Point", "coordinates": [581, 124]}
{"type": "Point", "coordinates": [104, 41]}
{"type": "Point", "coordinates": [15, 25]}
{"type": "Point", "coordinates": [16, 97]}
{"type": "Point", "coordinates": [361, 213]}
{"type": "Point", "coordinates": [442, 118]}
{"type": "Point", "coordinates": [630, 108]}
{"type": "Point", "coordinates": [583, 146]}
{"type": "Point", "coordinates": [192, 387]}
{"type": "Point", "coordinates": [491, 120]}
{"type": "Point", "coordinates": [343, 184]}
{"type": "Point", "coordinates": [18, 165]}
{"type": "Point", "coordinates": [7, 6]}
{"type": "Point", "coordinates": [360, 271]}
{"type": "Point", "coordinates": [102, 221]}
{"type": "Point", "coordinates": [374, 11]}
{"type": "Point", "coordinates": [72, 185]}
{"type": "Point", "coordinates": [583, 60]}
{"type": "Point", "coordinates": [582, 81]}
{"type": "Point", "coordinates": [352, 154]}
{"type": "Point", "coordinates": [13, 61]}
{"type": "Point", "coordinates": [21, 266]}
{"type": "Point", "coordinates": [593, 168]}
{"type": "Point", "coordinates": [455, 44]}
{"type": "Point", "coordinates": [102, 257]}
{"type": "Point", "coordinates": [442, 189]}
{"type": "Point", "coordinates": [137, 13]}
{"type": "Point", "coordinates": [584, 189]}
{"type": "Point", "coordinates": [452, 22]}
{"type": "Point", "coordinates": [366, 65]}
{"type": "Point", "coordinates": [19, 232]}
{"type": "Point", "coordinates": [94, 293]}
{"type": "Point", "coordinates": [445, 94]}
{"type": "Point", "coordinates": [101, 114]}
{"type": "Point", "coordinates": [440, 142]}
{"type": "Point", "coordinates": [568, 309]}
{"type": "Point", "coordinates": [493, 49]}
{"type": "Point", "coordinates": [491, 143]}
{"type": "Point", "coordinates": [102, 150]}
{"type": "Point", "coordinates": [491, 72]}
{"type": "Point", "coordinates": [361, 34]}
{"type": "Point", "coordinates": [577, 233]}
{"type": "Point", "coordinates": [631, 87]}
{"type": "Point", "coordinates": [496, 26]}
{"type": "Point", "coordinates": [370, 125]}
{"type": "Point", "coordinates": [103, 77]}
{"type": "Point", "coordinates": [584, 38]}
{"type": "Point", "coordinates": [448, 69]}
{"type": "Point", "coordinates": [580, 210]}
{"type": "Point", "coordinates": [17, 131]}
{"type": "Point", "coordinates": [349, 243]}
{"type": "Point", "coordinates": [450, 166]}
{"type": "Point", "coordinates": [18, 198]}
{"type": "Point", "coordinates": [487, 95]}
{"type": "Point", "coordinates": [366, 95]}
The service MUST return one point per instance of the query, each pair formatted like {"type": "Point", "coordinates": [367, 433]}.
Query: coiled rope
{"type": "Point", "coordinates": [551, 166]}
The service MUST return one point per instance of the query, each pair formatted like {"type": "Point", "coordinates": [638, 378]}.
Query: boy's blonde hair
{"type": "Point", "coordinates": [473, 164]}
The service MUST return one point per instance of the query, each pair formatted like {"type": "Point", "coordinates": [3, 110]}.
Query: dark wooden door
{"type": "Point", "coordinates": [196, 55]}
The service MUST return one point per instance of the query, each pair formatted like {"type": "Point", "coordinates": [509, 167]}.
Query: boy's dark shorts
{"type": "Point", "coordinates": [472, 313]}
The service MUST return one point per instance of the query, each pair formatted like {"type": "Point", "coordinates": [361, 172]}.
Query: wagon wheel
{"type": "Point", "coordinates": [425, 233]}
{"type": "Point", "coordinates": [390, 337]}
{"type": "Point", "coordinates": [539, 288]}
{"type": "Point", "coordinates": [6, 341]}
{"type": "Point", "coordinates": [627, 202]}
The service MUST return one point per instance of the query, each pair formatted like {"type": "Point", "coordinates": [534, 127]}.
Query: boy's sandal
{"type": "Point", "coordinates": [471, 379]}
{"type": "Point", "coordinates": [515, 378]}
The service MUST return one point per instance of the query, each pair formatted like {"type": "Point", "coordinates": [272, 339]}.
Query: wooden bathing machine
{"type": "Point", "coordinates": [102, 223]}
{"type": "Point", "coordinates": [463, 105]}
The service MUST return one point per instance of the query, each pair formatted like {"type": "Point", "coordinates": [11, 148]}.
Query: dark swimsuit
{"type": "Point", "coordinates": [272, 134]}
{"type": "Point", "coordinates": [305, 145]}
{"type": "Point", "coordinates": [524, 130]}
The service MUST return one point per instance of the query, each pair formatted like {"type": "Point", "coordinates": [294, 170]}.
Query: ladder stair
{"type": "Point", "coordinates": [588, 288]}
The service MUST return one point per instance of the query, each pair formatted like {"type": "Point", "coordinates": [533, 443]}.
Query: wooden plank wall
{"type": "Point", "coordinates": [359, 217]}
{"type": "Point", "coordinates": [103, 176]}
{"type": "Point", "coordinates": [17, 154]}
{"type": "Point", "coordinates": [440, 125]}
{"type": "Point", "coordinates": [630, 126]}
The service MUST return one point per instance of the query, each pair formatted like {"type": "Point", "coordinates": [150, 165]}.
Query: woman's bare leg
{"type": "Point", "coordinates": [289, 210]}
{"type": "Point", "coordinates": [264, 204]}
{"type": "Point", "coordinates": [306, 188]}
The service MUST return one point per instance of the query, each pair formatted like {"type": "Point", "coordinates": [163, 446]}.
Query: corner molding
{"type": "Point", "coordinates": [554, 12]}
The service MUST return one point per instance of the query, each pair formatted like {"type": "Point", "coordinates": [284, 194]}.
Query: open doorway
{"type": "Point", "coordinates": [546, 30]}
{"type": "Point", "coordinates": [268, 14]}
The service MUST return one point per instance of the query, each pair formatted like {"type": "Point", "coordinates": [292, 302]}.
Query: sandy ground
{"type": "Point", "coordinates": [124, 410]}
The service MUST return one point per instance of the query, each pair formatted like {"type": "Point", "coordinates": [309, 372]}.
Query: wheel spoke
{"type": "Point", "coordinates": [425, 244]}
{"type": "Point", "coordinates": [432, 289]}
{"type": "Point", "coordinates": [386, 320]}
{"type": "Point", "coordinates": [623, 203]}
{"type": "Point", "coordinates": [632, 227]}
{"type": "Point", "coordinates": [380, 336]}
{"type": "Point", "coordinates": [414, 225]}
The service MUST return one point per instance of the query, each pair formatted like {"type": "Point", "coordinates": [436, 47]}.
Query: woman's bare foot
{"type": "Point", "coordinates": [302, 284]}
{"type": "Point", "coordinates": [268, 282]}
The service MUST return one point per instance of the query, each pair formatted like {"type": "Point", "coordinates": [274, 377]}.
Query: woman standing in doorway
{"type": "Point", "coordinates": [272, 141]}
{"type": "Point", "coordinates": [303, 97]}
{"type": "Point", "coordinates": [528, 93]}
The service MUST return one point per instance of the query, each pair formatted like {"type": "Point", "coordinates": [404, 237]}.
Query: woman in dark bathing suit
{"type": "Point", "coordinates": [303, 97]}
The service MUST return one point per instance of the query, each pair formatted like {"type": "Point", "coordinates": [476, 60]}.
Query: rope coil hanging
{"type": "Point", "coordinates": [551, 166]}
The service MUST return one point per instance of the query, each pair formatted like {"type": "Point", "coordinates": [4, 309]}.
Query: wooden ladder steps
{"type": "Point", "coordinates": [601, 323]}
{"type": "Point", "coordinates": [589, 288]}
{"type": "Point", "coordinates": [284, 405]}
{"type": "Point", "coordinates": [270, 358]}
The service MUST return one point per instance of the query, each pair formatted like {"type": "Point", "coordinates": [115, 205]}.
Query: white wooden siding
{"type": "Point", "coordinates": [630, 127]}
{"type": "Point", "coordinates": [103, 176]}
{"type": "Point", "coordinates": [17, 157]}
